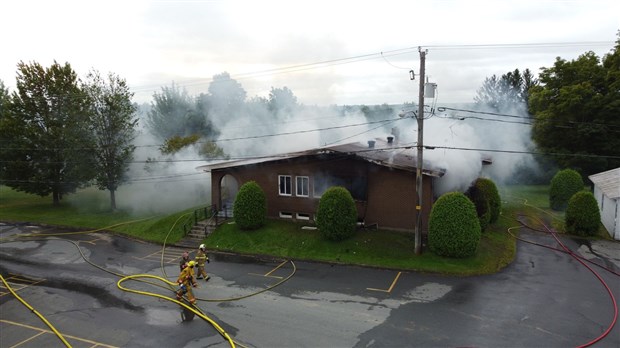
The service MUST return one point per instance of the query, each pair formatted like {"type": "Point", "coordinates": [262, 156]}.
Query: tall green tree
{"type": "Point", "coordinates": [170, 112]}
{"type": "Point", "coordinates": [282, 102]}
{"type": "Point", "coordinates": [226, 98]}
{"type": "Point", "coordinates": [576, 110]}
{"type": "Point", "coordinates": [175, 113]}
{"type": "Point", "coordinates": [508, 93]}
{"type": "Point", "coordinates": [4, 99]}
{"type": "Point", "coordinates": [6, 147]}
{"type": "Point", "coordinates": [114, 124]}
{"type": "Point", "coordinates": [48, 131]}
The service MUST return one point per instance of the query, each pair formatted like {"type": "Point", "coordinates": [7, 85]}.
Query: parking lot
{"type": "Point", "coordinates": [544, 298]}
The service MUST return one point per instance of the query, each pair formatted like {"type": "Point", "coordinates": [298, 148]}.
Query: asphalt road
{"type": "Point", "coordinates": [544, 299]}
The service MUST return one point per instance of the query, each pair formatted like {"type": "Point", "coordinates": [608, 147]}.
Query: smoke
{"type": "Point", "coordinates": [167, 184]}
{"type": "Point", "coordinates": [473, 133]}
{"type": "Point", "coordinates": [172, 183]}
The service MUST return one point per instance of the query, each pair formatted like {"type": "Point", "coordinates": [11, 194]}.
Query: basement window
{"type": "Point", "coordinates": [285, 185]}
{"type": "Point", "coordinates": [286, 215]}
{"type": "Point", "coordinates": [302, 216]}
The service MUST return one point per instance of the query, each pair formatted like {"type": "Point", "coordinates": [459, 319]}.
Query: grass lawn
{"type": "Point", "coordinates": [387, 248]}
{"type": "Point", "coordinates": [87, 209]}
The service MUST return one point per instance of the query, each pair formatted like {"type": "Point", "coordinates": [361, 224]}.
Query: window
{"type": "Point", "coordinates": [286, 215]}
{"type": "Point", "coordinates": [357, 186]}
{"type": "Point", "coordinates": [302, 186]}
{"type": "Point", "coordinates": [302, 216]}
{"type": "Point", "coordinates": [285, 185]}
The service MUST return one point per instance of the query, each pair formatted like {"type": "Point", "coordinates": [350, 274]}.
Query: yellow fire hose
{"type": "Point", "coordinates": [60, 336]}
{"type": "Point", "coordinates": [192, 309]}
{"type": "Point", "coordinates": [170, 285]}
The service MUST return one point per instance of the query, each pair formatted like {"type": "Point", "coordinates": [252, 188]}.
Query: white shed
{"type": "Point", "coordinates": [607, 193]}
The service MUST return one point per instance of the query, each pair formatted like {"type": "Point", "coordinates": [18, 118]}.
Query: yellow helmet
{"type": "Point", "coordinates": [191, 263]}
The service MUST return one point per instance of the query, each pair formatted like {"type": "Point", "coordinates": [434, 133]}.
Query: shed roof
{"type": "Point", "coordinates": [608, 182]}
{"type": "Point", "coordinates": [383, 154]}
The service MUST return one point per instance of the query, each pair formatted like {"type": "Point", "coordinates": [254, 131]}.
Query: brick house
{"type": "Point", "coordinates": [380, 177]}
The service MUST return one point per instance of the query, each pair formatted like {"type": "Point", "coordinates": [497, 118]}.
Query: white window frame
{"type": "Point", "coordinates": [289, 186]}
{"type": "Point", "coordinates": [286, 215]}
{"type": "Point", "coordinates": [306, 180]}
{"type": "Point", "coordinates": [302, 216]}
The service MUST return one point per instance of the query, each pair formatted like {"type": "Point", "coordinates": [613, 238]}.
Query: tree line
{"type": "Point", "coordinates": [59, 133]}
{"type": "Point", "coordinates": [573, 106]}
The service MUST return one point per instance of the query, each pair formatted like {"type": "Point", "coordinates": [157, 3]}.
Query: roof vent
{"type": "Point", "coordinates": [371, 144]}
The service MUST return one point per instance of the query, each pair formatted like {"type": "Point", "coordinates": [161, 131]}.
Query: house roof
{"type": "Point", "coordinates": [383, 154]}
{"type": "Point", "coordinates": [608, 182]}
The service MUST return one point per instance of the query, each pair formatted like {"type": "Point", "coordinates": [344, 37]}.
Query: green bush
{"type": "Point", "coordinates": [564, 185]}
{"type": "Point", "coordinates": [582, 215]}
{"type": "Point", "coordinates": [490, 191]}
{"type": "Point", "coordinates": [250, 207]}
{"type": "Point", "coordinates": [336, 215]}
{"type": "Point", "coordinates": [480, 200]}
{"type": "Point", "coordinates": [453, 226]}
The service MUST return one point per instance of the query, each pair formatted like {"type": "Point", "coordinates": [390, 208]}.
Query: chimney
{"type": "Point", "coordinates": [390, 140]}
{"type": "Point", "coordinates": [371, 144]}
{"type": "Point", "coordinates": [396, 133]}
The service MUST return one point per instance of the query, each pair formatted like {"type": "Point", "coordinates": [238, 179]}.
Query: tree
{"type": "Point", "coordinates": [4, 100]}
{"type": "Point", "coordinates": [48, 127]}
{"type": "Point", "coordinates": [282, 102]}
{"type": "Point", "coordinates": [453, 226]}
{"type": "Point", "coordinates": [114, 129]}
{"type": "Point", "coordinates": [582, 215]}
{"type": "Point", "coordinates": [336, 215]}
{"type": "Point", "coordinates": [564, 185]}
{"type": "Point", "coordinates": [576, 108]}
{"type": "Point", "coordinates": [480, 200]}
{"type": "Point", "coordinates": [174, 113]}
{"type": "Point", "coordinates": [7, 147]}
{"type": "Point", "coordinates": [226, 98]}
{"type": "Point", "coordinates": [508, 93]}
{"type": "Point", "coordinates": [250, 207]}
{"type": "Point", "coordinates": [488, 187]}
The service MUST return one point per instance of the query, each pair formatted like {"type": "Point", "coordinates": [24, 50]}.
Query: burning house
{"type": "Point", "coordinates": [380, 176]}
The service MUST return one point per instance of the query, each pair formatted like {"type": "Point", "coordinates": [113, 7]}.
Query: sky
{"type": "Point", "coordinates": [326, 52]}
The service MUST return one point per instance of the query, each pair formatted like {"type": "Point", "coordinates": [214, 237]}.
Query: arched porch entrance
{"type": "Point", "coordinates": [228, 191]}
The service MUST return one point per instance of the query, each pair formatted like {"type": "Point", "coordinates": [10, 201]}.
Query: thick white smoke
{"type": "Point", "coordinates": [172, 183]}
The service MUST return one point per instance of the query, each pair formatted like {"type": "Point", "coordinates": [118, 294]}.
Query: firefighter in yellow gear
{"type": "Point", "coordinates": [186, 282]}
{"type": "Point", "coordinates": [202, 258]}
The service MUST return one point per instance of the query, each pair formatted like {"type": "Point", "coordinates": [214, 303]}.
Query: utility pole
{"type": "Point", "coordinates": [420, 146]}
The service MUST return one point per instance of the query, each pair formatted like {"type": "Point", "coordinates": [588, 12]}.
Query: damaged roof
{"type": "Point", "coordinates": [382, 153]}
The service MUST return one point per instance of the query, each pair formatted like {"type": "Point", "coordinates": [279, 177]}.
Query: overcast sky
{"type": "Point", "coordinates": [153, 43]}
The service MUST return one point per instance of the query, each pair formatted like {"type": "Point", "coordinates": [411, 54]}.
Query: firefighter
{"type": "Point", "coordinates": [184, 260]}
{"type": "Point", "coordinates": [201, 258]}
{"type": "Point", "coordinates": [186, 282]}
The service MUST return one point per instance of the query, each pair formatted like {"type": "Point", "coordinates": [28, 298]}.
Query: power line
{"type": "Point", "coordinates": [426, 146]}
{"type": "Point", "coordinates": [444, 108]}
{"type": "Point", "coordinates": [382, 122]}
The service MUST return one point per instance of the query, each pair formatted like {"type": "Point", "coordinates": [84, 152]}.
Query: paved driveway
{"type": "Point", "coordinates": [545, 299]}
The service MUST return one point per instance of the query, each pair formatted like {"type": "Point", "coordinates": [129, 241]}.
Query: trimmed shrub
{"type": "Point", "coordinates": [564, 185]}
{"type": "Point", "coordinates": [582, 215]}
{"type": "Point", "coordinates": [490, 191]}
{"type": "Point", "coordinates": [483, 209]}
{"type": "Point", "coordinates": [250, 207]}
{"type": "Point", "coordinates": [453, 226]}
{"type": "Point", "coordinates": [336, 215]}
